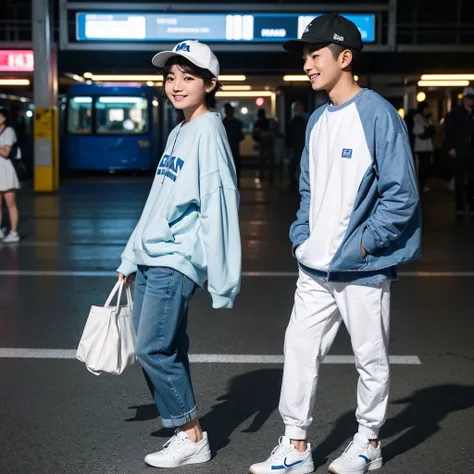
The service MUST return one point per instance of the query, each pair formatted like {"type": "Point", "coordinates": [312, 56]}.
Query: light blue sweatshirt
{"type": "Point", "coordinates": [190, 220]}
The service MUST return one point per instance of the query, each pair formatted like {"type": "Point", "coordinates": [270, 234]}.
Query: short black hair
{"type": "Point", "coordinates": [6, 113]}
{"type": "Point", "coordinates": [184, 65]}
{"type": "Point", "coordinates": [337, 49]}
{"type": "Point", "coordinates": [422, 106]}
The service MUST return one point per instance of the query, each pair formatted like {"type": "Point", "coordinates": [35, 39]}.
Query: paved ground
{"type": "Point", "coordinates": [57, 418]}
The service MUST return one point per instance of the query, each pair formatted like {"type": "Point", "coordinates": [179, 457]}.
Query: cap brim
{"type": "Point", "coordinates": [159, 59]}
{"type": "Point", "coordinates": [296, 46]}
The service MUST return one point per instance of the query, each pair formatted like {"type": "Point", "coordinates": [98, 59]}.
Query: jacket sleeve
{"type": "Point", "coordinates": [299, 230]}
{"type": "Point", "coordinates": [398, 191]}
{"type": "Point", "coordinates": [450, 131]}
{"type": "Point", "coordinates": [128, 265]}
{"type": "Point", "coordinates": [220, 222]}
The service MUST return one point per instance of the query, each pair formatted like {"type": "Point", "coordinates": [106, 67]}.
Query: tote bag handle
{"type": "Point", "coordinates": [119, 288]}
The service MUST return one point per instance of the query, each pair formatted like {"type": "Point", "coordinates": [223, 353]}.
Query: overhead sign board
{"type": "Point", "coordinates": [212, 27]}
{"type": "Point", "coordinates": [16, 60]}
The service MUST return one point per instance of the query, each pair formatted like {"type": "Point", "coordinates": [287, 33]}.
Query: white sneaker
{"type": "Point", "coordinates": [180, 450]}
{"type": "Point", "coordinates": [2, 234]}
{"type": "Point", "coordinates": [359, 457]}
{"type": "Point", "coordinates": [286, 458]}
{"type": "Point", "coordinates": [11, 238]}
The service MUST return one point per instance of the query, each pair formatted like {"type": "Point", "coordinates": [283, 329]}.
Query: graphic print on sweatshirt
{"type": "Point", "coordinates": [170, 166]}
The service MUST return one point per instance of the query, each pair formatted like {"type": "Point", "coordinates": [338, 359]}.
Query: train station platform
{"type": "Point", "coordinates": [57, 418]}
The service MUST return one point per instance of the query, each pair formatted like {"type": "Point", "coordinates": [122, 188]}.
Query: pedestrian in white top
{"type": "Point", "coordinates": [8, 179]}
{"type": "Point", "coordinates": [424, 131]}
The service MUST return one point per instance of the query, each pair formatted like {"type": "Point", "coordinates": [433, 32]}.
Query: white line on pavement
{"type": "Point", "coordinates": [20, 353]}
{"type": "Point", "coordinates": [99, 273]}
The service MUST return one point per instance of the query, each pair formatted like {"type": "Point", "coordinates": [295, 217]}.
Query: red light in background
{"type": "Point", "coordinates": [260, 101]}
{"type": "Point", "coordinates": [16, 60]}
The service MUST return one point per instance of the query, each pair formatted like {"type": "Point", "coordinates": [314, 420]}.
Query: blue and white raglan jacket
{"type": "Point", "coordinates": [190, 221]}
{"type": "Point", "coordinates": [358, 189]}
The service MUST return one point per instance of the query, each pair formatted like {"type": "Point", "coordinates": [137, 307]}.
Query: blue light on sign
{"type": "Point", "coordinates": [214, 27]}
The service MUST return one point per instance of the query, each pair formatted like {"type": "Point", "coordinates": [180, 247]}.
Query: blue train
{"type": "Point", "coordinates": [114, 127]}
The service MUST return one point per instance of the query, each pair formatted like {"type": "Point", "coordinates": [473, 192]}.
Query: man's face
{"type": "Point", "coordinates": [426, 112]}
{"type": "Point", "coordinates": [298, 110]}
{"type": "Point", "coordinates": [320, 66]}
{"type": "Point", "coordinates": [469, 101]}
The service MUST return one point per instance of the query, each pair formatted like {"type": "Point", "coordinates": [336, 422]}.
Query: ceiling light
{"type": "Point", "coordinates": [295, 78]}
{"type": "Point", "coordinates": [447, 77]}
{"type": "Point", "coordinates": [245, 94]}
{"type": "Point", "coordinates": [14, 82]}
{"type": "Point", "coordinates": [242, 87]}
{"type": "Point", "coordinates": [230, 77]}
{"type": "Point", "coordinates": [420, 97]}
{"type": "Point", "coordinates": [440, 83]}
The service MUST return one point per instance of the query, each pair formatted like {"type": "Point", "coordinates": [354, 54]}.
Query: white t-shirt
{"type": "Point", "coordinates": [338, 160]}
{"type": "Point", "coordinates": [8, 137]}
{"type": "Point", "coordinates": [8, 177]}
{"type": "Point", "coordinates": [419, 125]}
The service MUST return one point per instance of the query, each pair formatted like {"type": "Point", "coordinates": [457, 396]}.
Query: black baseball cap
{"type": "Point", "coordinates": [331, 28]}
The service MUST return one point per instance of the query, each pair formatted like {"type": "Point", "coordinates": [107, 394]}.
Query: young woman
{"type": "Point", "coordinates": [8, 179]}
{"type": "Point", "coordinates": [188, 233]}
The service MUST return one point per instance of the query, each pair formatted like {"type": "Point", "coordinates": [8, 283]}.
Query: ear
{"type": "Point", "coordinates": [212, 85]}
{"type": "Point", "coordinates": [346, 58]}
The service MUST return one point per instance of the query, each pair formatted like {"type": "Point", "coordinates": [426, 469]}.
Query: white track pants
{"type": "Point", "coordinates": [317, 313]}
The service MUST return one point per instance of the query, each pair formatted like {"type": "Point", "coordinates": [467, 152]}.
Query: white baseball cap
{"type": "Point", "coordinates": [198, 53]}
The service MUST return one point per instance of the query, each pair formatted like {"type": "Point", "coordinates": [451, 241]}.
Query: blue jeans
{"type": "Point", "coordinates": [160, 317]}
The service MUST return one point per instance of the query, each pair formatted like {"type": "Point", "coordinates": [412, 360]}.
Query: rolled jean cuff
{"type": "Point", "coordinates": [296, 432]}
{"type": "Point", "coordinates": [369, 432]}
{"type": "Point", "coordinates": [177, 421]}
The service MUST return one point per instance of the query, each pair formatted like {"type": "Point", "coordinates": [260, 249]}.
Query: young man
{"type": "Point", "coordinates": [233, 127]}
{"type": "Point", "coordinates": [423, 131]}
{"type": "Point", "coordinates": [295, 138]}
{"type": "Point", "coordinates": [359, 217]}
{"type": "Point", "coordinates": [264, 133]}
{"type": "Point", "coordinates": [460, 145]}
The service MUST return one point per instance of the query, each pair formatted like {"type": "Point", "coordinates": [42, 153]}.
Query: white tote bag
{"type": "Point", "coordinates": [108, 341]}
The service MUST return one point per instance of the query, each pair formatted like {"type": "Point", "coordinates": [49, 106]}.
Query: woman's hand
{"type": "Point", "coordinates": [127, 279]}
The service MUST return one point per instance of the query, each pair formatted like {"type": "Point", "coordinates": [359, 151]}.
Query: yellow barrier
{"type": "Point", "coordinates": [46, 177]}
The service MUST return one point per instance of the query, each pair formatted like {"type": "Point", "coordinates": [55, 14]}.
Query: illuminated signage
{"type": "Point", "coordinates": [213, 27]}
{"type": "Point", "coordinates": [16, 61]}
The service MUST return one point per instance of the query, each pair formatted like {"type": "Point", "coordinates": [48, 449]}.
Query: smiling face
{"type": "Point", "coordinates": [323, 68]}
{"type": "Point", "coordinates": [183, 89]}
{"type": "Point", "coordinates": [187, 89]}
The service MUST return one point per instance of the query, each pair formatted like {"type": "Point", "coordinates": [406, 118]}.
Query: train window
{"type": "Point", "coordinates": [79, 117]}
{"type": "Point", "coordinates": [121, 115]}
